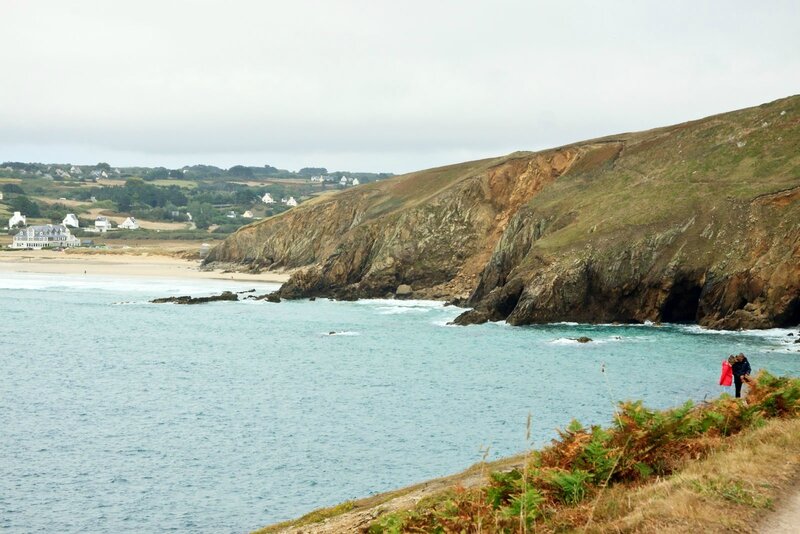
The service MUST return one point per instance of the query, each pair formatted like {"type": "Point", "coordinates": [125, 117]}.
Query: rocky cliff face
{"type": "Point", "coordinates": [698, 222]}
{"type": "Point", "coordinates": [432, 230]}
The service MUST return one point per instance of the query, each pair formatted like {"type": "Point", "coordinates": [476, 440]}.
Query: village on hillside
{"type": "Point", "coordinates": [65, 205]}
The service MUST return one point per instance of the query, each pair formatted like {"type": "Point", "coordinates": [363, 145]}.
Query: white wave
{"type": "Point", "coordinates": [567, 341]}
{"type": "Point", "coordinates": [595, 341]}
{"type": "Point", "coordinates": [151, 286]}
{"type": "Point", "coordinates": [400, 310]}
{"type": "Point", "coordinates": [400, 303]}
{"type": "Point", "coordinates": [768, 333]}
{"type": "Point", "coordinates": [342, 333]}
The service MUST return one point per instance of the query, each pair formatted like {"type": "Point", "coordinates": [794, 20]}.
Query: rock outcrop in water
{"type": "Point", "coordinates": [225, 296]}
{"type": "Point", "coordinates": [698, 222]}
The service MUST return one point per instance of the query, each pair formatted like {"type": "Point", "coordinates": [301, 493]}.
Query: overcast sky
{"type": "Point", "coordinates": [371, 85]}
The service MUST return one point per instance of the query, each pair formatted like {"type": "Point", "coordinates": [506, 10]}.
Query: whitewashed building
{"type": "Point", "coordinates": [291, 202]}
{"type": "Point", "coordinates": [1, 195]}
{"type": "Point", "coordinates": [356, 182]}
{"type": "Point", "coordinates": [267, 199]}
{"type": "Point", "coordinates": [71, 220]}
{"type": "Point", "coordinates": [129, 224]}
{"type": "Point", "coordinates": [343, 181]}
{"type": "Point", "coordinates": [17, 219]}
{"type": "Point", "coordinates": [102, 224]}
{"type": "Point", "coordinates": [45, 236]}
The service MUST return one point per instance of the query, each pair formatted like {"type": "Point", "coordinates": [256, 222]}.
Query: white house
{"type": "Point", "coordinates": [45, 236]}
{"type": "Point", "coordinates": [129, 224]}
{"type": "Point", "coordinates": [231, 214]}
{"type": "Point", "coordinates": [71, 220]}
{"type": "Point", "coordinates": [291, 202]}
{"type": "Point", "coordinates": [343, 181]}
{"type": "Point", "coordinates": [63, 174]}
{"type": "Point", "coordinates": [17, 219]}
{"type": "Point", "coordinates": [356, 182]}
{"type": "Point", "coordinates": [1, 195]}
{"type": "Point", "coordinates": [267, 199]}
{"type": "Point", "coordinates": [102, 224]}
{"type": "Point", "coordinates": [75, 170]}
{"type": "Point", "coordinates": [247, 214]}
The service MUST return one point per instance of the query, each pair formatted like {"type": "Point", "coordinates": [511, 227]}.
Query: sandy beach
{"type": "Point", "coordinates": [125, 265]}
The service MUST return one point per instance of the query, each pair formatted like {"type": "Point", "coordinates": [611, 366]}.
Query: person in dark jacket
{"type": "Point", "coordinates": [741, 371]}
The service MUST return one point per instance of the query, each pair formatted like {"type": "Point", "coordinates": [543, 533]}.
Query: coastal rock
{"type": "Point", "coordinates": [628, 228]}
{"type": "Point", "coordinates": [583, 339]}
{"type": "Point", "coordinates": [269, 297]}
{"type": "Point", "coordinates": [225, 295]}
{"type": "Point", "coordinates": [404, 291]}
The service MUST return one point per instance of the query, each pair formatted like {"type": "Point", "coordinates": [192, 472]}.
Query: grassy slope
{"type": "Point", "coordinates": [670, 174]}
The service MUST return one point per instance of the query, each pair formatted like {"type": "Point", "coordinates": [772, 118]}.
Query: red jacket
{"type": "Point", "coordinates": [726, 378]}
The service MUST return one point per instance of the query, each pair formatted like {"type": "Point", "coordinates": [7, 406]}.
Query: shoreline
{"type": "Point", "coordinates": [142, 265]}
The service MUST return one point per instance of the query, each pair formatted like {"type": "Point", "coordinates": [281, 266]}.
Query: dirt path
{"type": "Point", "coordinates": [786, 518]}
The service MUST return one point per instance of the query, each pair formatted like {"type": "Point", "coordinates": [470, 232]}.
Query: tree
{"type": "Point", "coordinates": [25, 206]}
{"type": "Point", "coordinates": [312, 171]}
{"type": "Point", "coordinates": [13, 188]}
{"type": "Point", "coordinates": [202, 213]}
{"type": "Point", "coordinates": [158, 173]}
{"type": "Point", "coordinates": [103, 167]}
{"type": "Point", "coordinates": [240, 171]}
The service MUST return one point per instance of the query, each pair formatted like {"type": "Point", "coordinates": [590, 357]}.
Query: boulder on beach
{"type": "Point", "coordinates": [583, 339]}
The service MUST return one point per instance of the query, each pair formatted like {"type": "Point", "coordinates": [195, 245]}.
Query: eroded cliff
{"type": "Point", "coordinates": [698, 222]}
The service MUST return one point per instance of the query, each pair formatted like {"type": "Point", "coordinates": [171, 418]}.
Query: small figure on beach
{"type": "Point", "coordinates": [741, 371]}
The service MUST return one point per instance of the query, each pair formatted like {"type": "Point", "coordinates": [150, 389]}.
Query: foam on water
{"type": "Point", "coordinates": [155, 286]}
{"type": "Point", "coordinates": [344, 333]}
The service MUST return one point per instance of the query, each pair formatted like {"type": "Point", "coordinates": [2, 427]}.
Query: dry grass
{"type": "Point", "coordinates": [729, 490]}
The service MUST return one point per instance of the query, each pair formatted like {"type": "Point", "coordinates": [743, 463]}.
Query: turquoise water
{"type": "Point", "coordinates": [119, 415]}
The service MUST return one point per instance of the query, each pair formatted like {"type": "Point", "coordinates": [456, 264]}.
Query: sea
{"type": "Point", "coordinates": [117, 415]}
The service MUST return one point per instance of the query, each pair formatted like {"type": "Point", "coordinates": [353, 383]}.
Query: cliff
{"type": "Point", "coordinates": [698, 222]}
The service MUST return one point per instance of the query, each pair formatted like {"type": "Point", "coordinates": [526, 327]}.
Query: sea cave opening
{"type": "Point", "coordinates": [790, 316]}
{"type": "Point", "coordinates": [682, 303]}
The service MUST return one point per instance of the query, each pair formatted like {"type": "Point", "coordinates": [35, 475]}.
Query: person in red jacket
{"type": "Point", "coordinates": [726, 378]}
